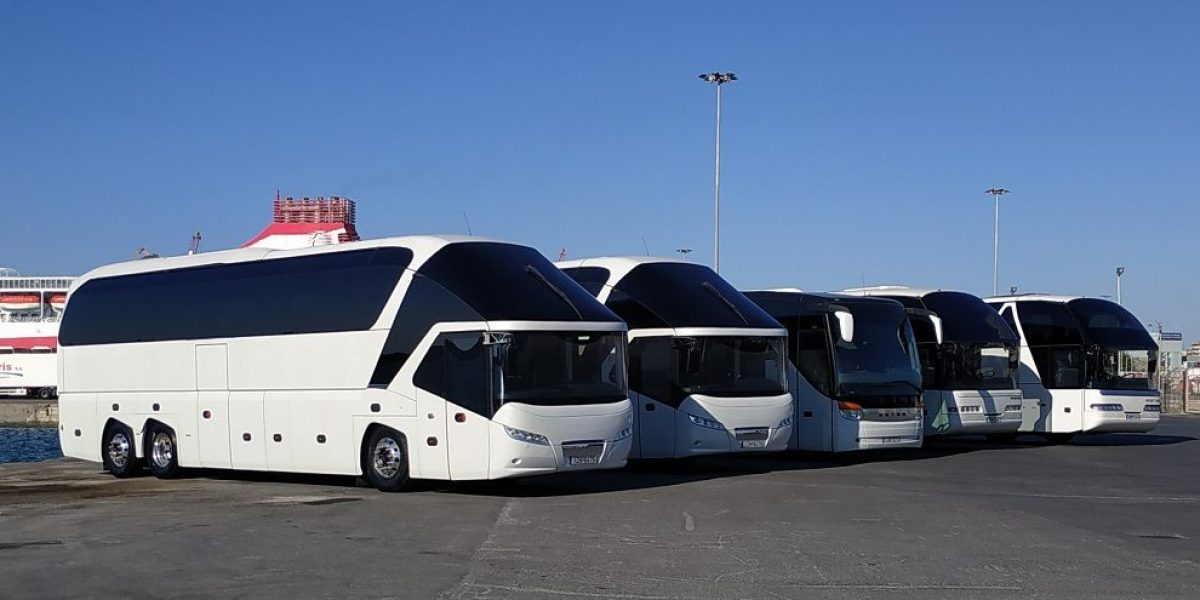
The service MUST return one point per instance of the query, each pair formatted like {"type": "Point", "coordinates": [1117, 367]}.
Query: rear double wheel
{"type": "Point", "coordinates": [162, 452]}
{"type": "Point", "coordinates": [118, 451]}
{"type": "Point", "coordinates": [385, 460]}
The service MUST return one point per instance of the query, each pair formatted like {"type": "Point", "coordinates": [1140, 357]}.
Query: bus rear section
{"type": "Point", "coordinates": [707, 367]}
{"type": "Point", "coordinates": [1088, 363]}
{"type": "Point", "coordinates": [853, 370]}
{"type": "Point", "coordinates": [453, 358]}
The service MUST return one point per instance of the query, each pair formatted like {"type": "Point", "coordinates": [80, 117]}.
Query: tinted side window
{"type": "Point", "coordinates": [338, 291]}
{"type": "Point", "coordinates": [651, 369]}
{"type": "Point", "coordinates": [1048, 323]}
{"type": "Point", "coordinates": [635, 314]}
{"type": "Point", "coordinates": [591, 279]}
{"type": "Point", "coordinates": [456, 368]}
{"type": "Point", "coordinates": [811, 355]}
{"type": "Point", "coordinates": [1059, 367]}
{"type": "Point", "coordinates": [425, 304]}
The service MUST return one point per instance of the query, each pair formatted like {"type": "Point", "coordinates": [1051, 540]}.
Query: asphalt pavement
{"type": "Point", "coordinates": [1110, 516]}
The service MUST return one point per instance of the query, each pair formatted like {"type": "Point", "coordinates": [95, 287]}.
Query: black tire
{"type": "Point", "coordinates": [1002, 438]}
{"type": "Point", "coordinates": [45, 393]}
{"type": "Point", "coordinates": [118, 451]}
{"type": "Point", "coordinates": [1059, 438]}
{"type": "Point", "coordinates": [385, 460]}
{"type": "Point", "coordinates": [162, 451]}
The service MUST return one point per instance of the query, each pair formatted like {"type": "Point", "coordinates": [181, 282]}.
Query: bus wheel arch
{"type": "Point", "coordinates": [118, 449]}
{"type": "Point", "coordinates": [161, 449]}
{"type": "Point", "coordinates": [385, 459]}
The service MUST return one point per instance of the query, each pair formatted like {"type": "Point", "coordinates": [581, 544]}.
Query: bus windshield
{"type": "Point", "coordinates": [558, 368]}
{"type": "Point", "coordinates": [1110, 326]}
{"type": "Point", "coordinates": [1123, 369]}
{"type": "Point", "coordinates": [731, 365]}
{"type": "Point", "coordinates": [883, 353]}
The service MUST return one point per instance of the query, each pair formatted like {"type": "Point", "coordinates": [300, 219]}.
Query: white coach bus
{"type": "Point", "coordinates": [412, 357]}
{"type": "Point", "coordinates": [1087, 362]}
{"type": "Point", "coordinates": [706, 365]}
{"type": "Point", "coordinates": [853, 370]}
{"type": "Point", "coordinates": [969, 359]}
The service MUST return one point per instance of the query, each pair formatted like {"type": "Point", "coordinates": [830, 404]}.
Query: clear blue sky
{"type": "Point", "coordinates": [857, 144]}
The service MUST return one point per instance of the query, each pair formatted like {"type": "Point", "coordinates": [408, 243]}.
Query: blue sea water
{"type": "Point", "coordinates": [28, 444]}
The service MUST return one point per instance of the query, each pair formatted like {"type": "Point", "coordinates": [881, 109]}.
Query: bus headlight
{"type": "Point", "coordinates": [624, 433]}
{"type": "Point", "coordinates": [1012, 407]}
{"type": "Point", "coordinates": [1107, 407]}
{"type": "Point", "coordinates": [786, 422]}
{"type": "Point", "coordinates": [526, 436]}
{"type": "Point", "coordinates": [1152, 408]}
{"type": "Point", "coordinates": [706, 423]}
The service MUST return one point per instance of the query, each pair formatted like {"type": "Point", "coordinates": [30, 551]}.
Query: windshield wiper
{"type": "Point", "coordinates": [536, 274]}
{"type": "Point", "coordinates": [712, 289]}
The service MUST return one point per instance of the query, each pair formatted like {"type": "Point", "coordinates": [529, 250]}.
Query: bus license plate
{"type": "Point", "coordinates": [754, 443]}
{"type": "Point", "coordinates": [993, 419]}
{"type": "Point", "coordinates": [1133, 416]}
{"type": "Point", "coordinates": [892, 440]}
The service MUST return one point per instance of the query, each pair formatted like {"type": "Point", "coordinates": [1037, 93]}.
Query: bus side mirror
{"type": "Point", "coordinates": [937, 327]}
{"type": "Point", "coordinates": [845, 325]}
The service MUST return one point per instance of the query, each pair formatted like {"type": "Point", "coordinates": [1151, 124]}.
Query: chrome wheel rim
{"type": "Point", "coordinates": [118, 450]}
{"type": "Point", "coordinates": [387, 458]}
{"type": "Point", "coordinates": [162, 450]}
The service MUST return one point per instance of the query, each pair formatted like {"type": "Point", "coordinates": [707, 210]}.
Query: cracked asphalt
{"type": "Point", "coordinates": [1106, 517]}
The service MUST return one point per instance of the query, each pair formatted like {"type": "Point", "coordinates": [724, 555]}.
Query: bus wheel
{"type": "Point", "coordinates": [161, 452]}
{"type": "Point", "coordinates": [385, 460]}
{"type": "Point", "coordinates": [1002, 438]}
{"type": "Point", "coordinates": [1059, 438]}
{"type": "Point", "coordinates": [45, 393]}
{"type": "Point", "coordinates": [117, 451]}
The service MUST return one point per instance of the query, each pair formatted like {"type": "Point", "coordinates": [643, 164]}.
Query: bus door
{"type": "Point", "coordinates": [651, 371]}
{"type": "Point", "coordinates": [212, 406]}
{"type": "Point", "coordinates": [454, 397]}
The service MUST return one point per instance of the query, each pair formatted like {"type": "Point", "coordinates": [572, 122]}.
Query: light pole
{"type": "Point", "coordinates": [683, 252]}
{"type": "Point", "coordinates": [1120, 272]}
{"type": "Point", "coordinates": [718, 79]}
{"type": "Point", "coordinates": [996, 193]}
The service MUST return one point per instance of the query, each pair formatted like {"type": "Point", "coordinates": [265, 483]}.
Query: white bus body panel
{"type": "Point", "coordinates": [969, 412]}
{"type": "Point", "coordinates": [297, 403]}
{"type": "Point", "coordinates": [821, 427]}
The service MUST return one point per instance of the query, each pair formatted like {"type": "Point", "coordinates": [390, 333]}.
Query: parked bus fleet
{"type": "Point", "coordinates": [460, 358]}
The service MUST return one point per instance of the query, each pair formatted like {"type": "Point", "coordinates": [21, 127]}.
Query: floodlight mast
{"type": "Point", "coordinates": [718, 79]}
{"type": "Point", "coordinates": [996, 193]}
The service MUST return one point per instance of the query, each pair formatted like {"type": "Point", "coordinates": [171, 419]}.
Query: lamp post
{"type": "Point", "coordinates": [718, 79]}
{"type": "Point", "coordinates": [996, 193]}
{"type": "Point", "coordinates": [1120, 272]}
{"type": "Point", "coordinates": [683, 252]}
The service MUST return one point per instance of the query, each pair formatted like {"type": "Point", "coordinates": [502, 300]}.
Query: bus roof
{"type": "Point", "coordinates": [422, 247]}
